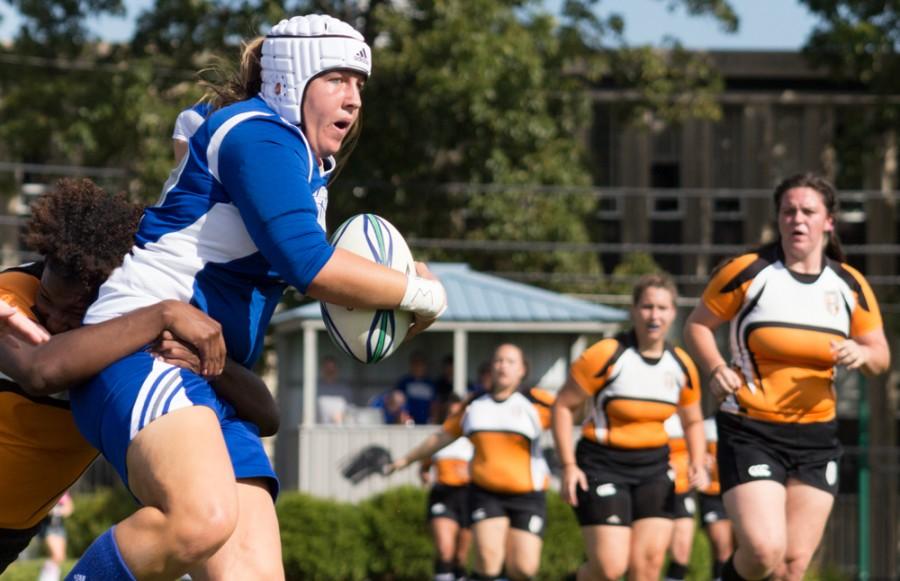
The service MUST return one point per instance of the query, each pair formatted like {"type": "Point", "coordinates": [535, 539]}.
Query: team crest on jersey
{"type": "Point", "coordinates": [832, 303]}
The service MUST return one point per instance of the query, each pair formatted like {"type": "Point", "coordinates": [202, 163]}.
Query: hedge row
{"type": "Point", "coordinates": [384, 538]}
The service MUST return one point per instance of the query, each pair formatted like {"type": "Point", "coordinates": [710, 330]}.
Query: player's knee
{"type": "Point", "coordinates": [795, 565]}
{"type": "Point", "coordinates": [446, 551]}
{"type": "Point", "coordinates": [197, 534]}
{"type": "Point", "coordinates": [606, 568]}
{"type": "Point", "coordinates": [645, 564]}
{"type": "Point", "coordinates": [765, 554]}
{"type": "Point", "coordinates": [490, 554]}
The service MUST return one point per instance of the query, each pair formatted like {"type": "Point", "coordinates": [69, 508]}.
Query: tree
{"type": "Point", "coordinates": [857, 41]}
{"type": "Point", "coordinates": [473, 107]}
{"type": "Point", "coordinates": [501, 99]}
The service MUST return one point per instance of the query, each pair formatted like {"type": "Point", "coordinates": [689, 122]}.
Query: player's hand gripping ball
{"type": "Point", "coordinates": [370, 335]}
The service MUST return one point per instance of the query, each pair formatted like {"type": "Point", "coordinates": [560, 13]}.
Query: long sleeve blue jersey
{"type": "Point", "coordinates": [242, 216]}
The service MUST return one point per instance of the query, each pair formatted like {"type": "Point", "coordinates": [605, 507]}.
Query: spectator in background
{"type": "Point", "coordinates": [333, 396]}
{"type": "Point", "coordinates": [54, 534]}
{"type": "Point", "coordinates": [393, 404]}
{"type": "Point", "coordinates": [418, 389]}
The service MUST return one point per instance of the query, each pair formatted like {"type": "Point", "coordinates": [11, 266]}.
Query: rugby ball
{"type": "Point", "coordinates": [370, 335]}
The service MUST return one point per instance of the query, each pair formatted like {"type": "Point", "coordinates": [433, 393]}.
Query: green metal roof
{"type": "Point", "coordinates": [476, 297]}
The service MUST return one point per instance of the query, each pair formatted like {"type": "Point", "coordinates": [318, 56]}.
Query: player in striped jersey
{"type": "Point", "coordinates": [712, 510]}
{"type": "Point", "coordinates": [448, 502]}
{"type": "Point", "coordinates": [509, 473]}
{"type": "Point", "coordinates": [618, 477]}
{"type": "Point", "coordinates": [240, 218]}
{"type": "Point", "coordinates": [796, 311]}
{"type": "Point", "coordinates": [685, 504]}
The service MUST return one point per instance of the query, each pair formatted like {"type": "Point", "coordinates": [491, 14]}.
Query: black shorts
{"type": "Point", "coordinates": [13, 542]}
{"type": "Point", "coordinates": [52, 526]}
{"type": "Point", "coordinates": [623, 485]}
{"type": "Point", "coordinates": [526, 512]}
{"type": "Point", "coordinates": [712, 509]}
{"type": "Point", "coordinates": [617, 504]}
{"type": "Point", "coordinates": [684, 505]}
{"type": "Point", "coordinates": [752, 450]}
{"type": "Point", "coordinates": [449, 502]}
{"type": "Point", "coordinates": [610, 464]}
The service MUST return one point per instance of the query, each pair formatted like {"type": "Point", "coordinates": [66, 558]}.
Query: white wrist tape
{"type": "Point", "coordinates": [424, 297]}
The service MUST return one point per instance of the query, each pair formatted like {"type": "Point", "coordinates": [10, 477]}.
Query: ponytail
{"type": "Point", "coordinates": [229, 86]}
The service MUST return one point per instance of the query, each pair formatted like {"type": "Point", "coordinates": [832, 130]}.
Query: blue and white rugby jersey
{"type": "Point", "coordinates": [241, 216]}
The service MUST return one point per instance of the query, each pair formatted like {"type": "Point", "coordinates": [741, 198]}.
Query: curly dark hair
{"type": "Point", "coordinates": [82, 231]}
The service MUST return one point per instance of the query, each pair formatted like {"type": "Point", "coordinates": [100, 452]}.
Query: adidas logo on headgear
{"type": "Point", "coordinates": [362, 56]}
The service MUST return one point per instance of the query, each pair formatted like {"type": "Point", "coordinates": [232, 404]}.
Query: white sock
{"type": "Point", "coordinates": [49, 572]}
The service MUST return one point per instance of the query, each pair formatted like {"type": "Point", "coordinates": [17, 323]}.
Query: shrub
{"type": "Point", "coordinates": [94, 513]}
{"type": "Point", "coordinates": [400, 541]}
{"type": "Point", "coordinates": [322, 540]}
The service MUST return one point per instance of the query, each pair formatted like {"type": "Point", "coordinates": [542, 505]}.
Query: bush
{"type": "Point", "coordinates": [400, 539]}
{"type": "Point", "coordinates": [94, 514]}
{"type": "Point", "coordinates": [322, 540]}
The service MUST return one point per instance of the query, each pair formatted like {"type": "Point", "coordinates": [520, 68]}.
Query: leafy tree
{"type": "Point", "coordinates": [857, 40]}
{"type": "Point", "coordinates": [501, 99]}
{"type": "Point", "coordinates": [490, 94]}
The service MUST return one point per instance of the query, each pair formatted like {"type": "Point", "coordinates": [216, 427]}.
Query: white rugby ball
{"type": "Point", "coordinates": [370, 335]}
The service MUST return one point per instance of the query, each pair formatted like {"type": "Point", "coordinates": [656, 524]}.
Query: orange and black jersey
{"type": "Point", "coordinates": [782, 326]}
{"type": "Point", "coordinates": [506, 439]}
{"type": "Point", "coordinates": [41, 452]}
{"type": "Point", "coordinates": [450, 464]}
{"type": "Point", "coordinates": [633, 395]}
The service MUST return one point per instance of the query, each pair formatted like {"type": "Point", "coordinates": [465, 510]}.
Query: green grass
{"type": "Point", "coordinates": [29, 570]}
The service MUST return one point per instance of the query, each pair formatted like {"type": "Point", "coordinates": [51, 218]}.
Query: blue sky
{"type": "Point", "coordinates": [765, 24]}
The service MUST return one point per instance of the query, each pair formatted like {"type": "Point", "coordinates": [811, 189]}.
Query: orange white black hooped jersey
{"type": "Point", "coordinates": [782, 326]}
{"type": "Point", "coordinates": [633, 395]}
{"type": "Point", "coordinates": [42, 453]}
{"type": "Point", "coordinates": [505, 436]}
{"type": "Point", "coordinates": [450, 464]}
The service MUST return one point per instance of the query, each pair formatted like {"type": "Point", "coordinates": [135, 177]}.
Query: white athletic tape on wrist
{"type": "Point", "coordinates": [424, 297]}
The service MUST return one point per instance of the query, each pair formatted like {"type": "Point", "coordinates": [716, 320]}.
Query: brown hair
{"type": "Point", "coordinates": [654, 280]}
{"type": "Point", "coordinates": [828, 192]}
{"type": "Point", "coordinates": [230, 86]}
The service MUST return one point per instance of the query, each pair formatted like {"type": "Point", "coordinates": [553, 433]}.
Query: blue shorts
{"type": "Point", "coordinates": [125, 397]}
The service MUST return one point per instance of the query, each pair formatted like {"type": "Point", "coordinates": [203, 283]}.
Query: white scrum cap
{"type": "Point", "coordinates": [301, 48]}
